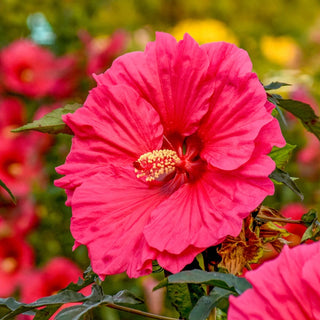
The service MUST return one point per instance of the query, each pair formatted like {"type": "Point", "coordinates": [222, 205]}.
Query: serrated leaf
{"type": "Point", "coordinates": [304, 112]}
{"type": "Point", "coordinates": [281, 156]}
{"type": "Point", "coordinates": [284, 178]}
{"type": "Point", "coordinates": [275, 85]}
{"type": "Point", "coordinates": [2, 184]}
{"type": "Point", "coordinates": [217, 279]}
{"type": "Point", "coordinates": [218, 298]}
{"type": "Point", "coordinates": [51, 122]}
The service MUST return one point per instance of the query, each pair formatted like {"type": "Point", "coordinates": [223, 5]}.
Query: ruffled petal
{"type": "Point", "coordinates": [171, 76]}
{"type": "Point", "coordinates": [226, 58]}
{"type": "Point", "coordinates": [114, 126]}
{"type": "Point", "coordinates": [109, 212]}
{"type": "Point", "coordinates": [234, 121]}
{"type": "Point", "coordinates": [203, 213]}
{"type": "Point", "coordinates": [281, 293]}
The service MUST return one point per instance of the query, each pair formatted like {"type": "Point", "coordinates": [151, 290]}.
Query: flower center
{"type": "Point", "coordinates": [156, 164]}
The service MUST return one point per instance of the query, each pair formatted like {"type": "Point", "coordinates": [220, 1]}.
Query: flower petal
{"type": "Point", "coordinates": [232, 125]}
{"type": "Point", "coordinates": [202, 214]}
{"type": "Point", "coordinates": [171, 76]}
{"type": "Point", "coordinates": [281, 293]}
{"type": "Point", "coordinates": [110, 210]}
{"type": "Point", "coordinates": [114, 126]}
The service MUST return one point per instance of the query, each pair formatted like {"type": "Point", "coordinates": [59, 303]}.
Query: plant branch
{"type": "Point", "coordinates": [275, 219]}
{"type": "Point", "coordinates": [138, 312]}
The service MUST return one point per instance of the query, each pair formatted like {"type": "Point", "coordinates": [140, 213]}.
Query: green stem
{"type": "Point", "coordinates": [139, 312]}
{"type": "Point", "coordinates": [263, 217]}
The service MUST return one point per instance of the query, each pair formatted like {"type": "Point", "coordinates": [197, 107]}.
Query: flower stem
{"type": "Point", "coordinates": [261, 216]}
{"type": "Point", "coordinates": [139, 312]}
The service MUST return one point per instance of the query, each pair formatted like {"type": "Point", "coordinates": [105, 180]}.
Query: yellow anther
{"type": "Point", "coordinates": [153, 165]}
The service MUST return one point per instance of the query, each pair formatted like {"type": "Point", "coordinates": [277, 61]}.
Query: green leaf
{"type": "Point", "coordinates": [284, 178]}
{"type": "Point", "coordinates": [218, 298]}
{"type": "Point", "coordinates": [95, 300]}
{"type": "Point", "coordinates": [217, 279]}
{"type": "Point", "coordinates": [179, 296]}
{"type": "Point", "coordinates": [281, 156]}
{"type": "Point", "coordinates": [275, 85]}
{"type": "Point", "coordinates": [126, 297]}
{"type": "Point", "coordinates": [304, 112]}
{"type": "Point", "coordinates": [2, 184]}
{"type": "Point", "coordinates": [52, 122]}
{"type": "Point", "coordinates": [309, 217]}
{"type": "Point", "coordinates": [89, 278]}
{"type": "Point", "coordinates": [47, 312]}
{"type": "Point", "coordinates": [58, 299]}
{"type": "Point", "coordinates": [311, 220]}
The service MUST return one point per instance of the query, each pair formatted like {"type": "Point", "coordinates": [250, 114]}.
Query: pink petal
{"type": "Point", "coordinates": [171, 76]}
{"type": "Point", "coordinates": [114, 126]}
{"type": "Point", "coordinates": [204, 213]}
{"type": "Point", "coordinates": [236, 117]}
{"type": "Point", "coordinates": [110, 210]}
{"type": "Point", "coordinates": [226, 58]}
{"type": "Point", "coordinates": [282, 288]}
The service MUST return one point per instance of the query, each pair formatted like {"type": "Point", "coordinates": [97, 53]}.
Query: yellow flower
{"type": "Point", "coordinates": [280, 50]}
{"type": "Point", "coordinates": [203, 31]}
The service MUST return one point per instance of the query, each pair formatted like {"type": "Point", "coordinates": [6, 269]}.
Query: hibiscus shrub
{"type": "Point", "coordinates": [173, 153]}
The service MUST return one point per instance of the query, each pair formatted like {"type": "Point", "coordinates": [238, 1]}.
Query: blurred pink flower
{"type": "Point", "coordinates": [101, 51]}
{"type": "Point", "coordinates": [295, 212]}
{"type": "Point", "coordinates": [169, 155]}
{"type": "Point", "coordinates": [20, 165]}
{"type": "Point", "coordinates": [286, 288]}
{"type": "Point", "coordinates": [19, 218]}
{"type": "Point", "coordinates": [16, 257]}
{"type": "Point", "coordinates": [68, 74]}
{"type": "Point", "coordinates": [12, 113]}
{"type": "Point", "coordinates": [27, 68]}
{"type": "Point", "coordinates": [56, 275]}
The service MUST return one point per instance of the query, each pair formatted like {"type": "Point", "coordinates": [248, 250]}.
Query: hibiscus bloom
{"type": "Point", "coordinates": [16, 257]}
{"type": "Point", "coordinates": [286, 288]}
{"type": "Point", "coordinates": [101, 51]}
{"type": "Point", "coordinates": [169, 155]}
{"type": "Point", "coordinates": [27, 68]}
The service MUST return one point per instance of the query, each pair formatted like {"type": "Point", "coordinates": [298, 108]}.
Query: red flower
{"type": "Point", "coordinates": [27, 68]}
{"type": "Point", "coordinates": [169, 155]}
{"type": "Point", "coordinates": [67, 74]}
{"type": "Point", "coordinates": [12, 113]}
{"type": "Point", "coordinates": [17, 219]}
{"type": "Point", "coordinates": [294, 211]}
{"type": "Point", "coordinates": [286, 288]}
{"type": "Point", "coordinates": [102, 51]}
{"type": "Point", "coordinates": [20, 166]}
{"type": "Point", "coordinates": [56, 275]}
{"type": "Point", "coordinates": [16, 257]}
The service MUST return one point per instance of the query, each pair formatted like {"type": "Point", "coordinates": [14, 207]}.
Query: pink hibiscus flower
{"type": "Point", "coordinates": [286, 288]}
{"type": "Point", "coordinates": [100, 52]}
{"type": "Point", "coordinates": [56, 275]}
{"type": "Point", "coordinates": [169, 155]}
{"type": "Point", "coordinates": [27, 68]}
{"type": "Point", "coordinates": [16, 257]}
